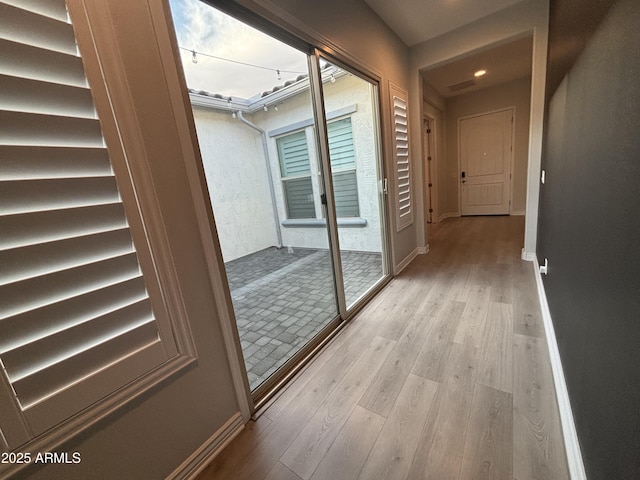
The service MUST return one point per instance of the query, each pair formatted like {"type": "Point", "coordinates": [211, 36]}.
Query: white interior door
{"type": "Point", "coordinates": [485, 143]}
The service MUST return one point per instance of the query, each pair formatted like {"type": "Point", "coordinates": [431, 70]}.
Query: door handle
{"type": "Point", "coordinates": [463, 175]}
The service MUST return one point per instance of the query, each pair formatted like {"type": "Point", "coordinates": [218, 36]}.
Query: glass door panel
{"type": "Point", "coordinates": [254, 118]}
{"type": "Point", "coordinates": [351, 110]}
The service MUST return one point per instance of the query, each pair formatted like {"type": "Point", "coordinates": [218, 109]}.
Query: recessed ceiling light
{"type": "Point", "coordinates": [480, 73]}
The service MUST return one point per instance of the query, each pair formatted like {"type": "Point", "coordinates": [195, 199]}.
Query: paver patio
{"type": "Point", "coordinates": [282, 298]}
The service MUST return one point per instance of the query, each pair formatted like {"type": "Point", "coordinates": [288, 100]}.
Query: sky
{"type": "Point", "coordinates": [204, 29]}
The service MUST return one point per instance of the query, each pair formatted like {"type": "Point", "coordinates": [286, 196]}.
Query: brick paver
{"type": "Point", "coordinates": [283, 298]}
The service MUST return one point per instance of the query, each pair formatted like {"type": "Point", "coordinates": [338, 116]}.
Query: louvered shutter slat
{"type": "Point", "coordinates": [76, 320]}
{"type": "Point", "coordinates": [27, 327]}
{"type": "Point", "coordinates": [36, 387]}
{"type": "Point", "coordinates": [33, 96]}
{"type": "Point", "coordinates": [404, 210]}
{"type": "Point", "coordinates": [25, 360]}
{"type": "Point", "coordinates": [25, 295]}
{"type": "Point", "coordinates": [34, 63]}
{"type": "Point", "coordinates": [41, 259]}
{"type": "Point", "coordinates": [55, 9]}
{"type": "Point", "coordinates": [53, 225]}
{"type": "Point", "coordinates": [27, 196]}
{"type": "Point", "coordinates": [23, 26]}
{"type": "Point", "coordinates": [20, 128]}
{"type": "Point", "coordinates": [20, 162]}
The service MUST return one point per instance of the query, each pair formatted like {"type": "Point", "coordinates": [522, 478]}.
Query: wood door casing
{"type": "Point", "coordinates": [485, 143]}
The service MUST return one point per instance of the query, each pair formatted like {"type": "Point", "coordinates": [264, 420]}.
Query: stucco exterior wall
{"type": "Point", "coordinates": [233, 160]}
{"type": "Point", "coordinates": [234, 164]}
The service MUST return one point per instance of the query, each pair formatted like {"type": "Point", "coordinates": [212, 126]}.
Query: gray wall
{"type": "Point", "coordinates": [589, 224]}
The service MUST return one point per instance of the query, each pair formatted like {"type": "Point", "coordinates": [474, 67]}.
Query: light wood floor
{"type": "Point", "coordinates": [444, 375]}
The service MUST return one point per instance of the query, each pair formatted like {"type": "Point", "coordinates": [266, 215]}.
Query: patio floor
{"type": "Point", "coordinates": [283, 298]}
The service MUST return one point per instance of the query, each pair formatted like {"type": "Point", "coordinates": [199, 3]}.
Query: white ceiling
{"type": "Point", "coordinates": [503, 63]}
{"type": "Point", "coordinates": [415, 21]}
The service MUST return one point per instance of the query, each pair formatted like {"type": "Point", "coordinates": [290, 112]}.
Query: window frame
{"type": "Point", "coordinates": [288, 178]}
{"type": "Point", "coordinates": [316, 201]}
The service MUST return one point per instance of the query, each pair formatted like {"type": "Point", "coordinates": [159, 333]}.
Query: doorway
{"type": "Point", "coordinates": [486, 157]}
{"type": "Point", "coordinates": [289, 140]}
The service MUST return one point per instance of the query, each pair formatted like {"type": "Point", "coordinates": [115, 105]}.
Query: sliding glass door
{"type": "Point", "coordinates": [294, 183]}
{"type": "Point", "coordinates": [351, 110]}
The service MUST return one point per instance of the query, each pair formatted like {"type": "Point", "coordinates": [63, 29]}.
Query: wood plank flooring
{"type": "Point", "coordinates": [444, 375]}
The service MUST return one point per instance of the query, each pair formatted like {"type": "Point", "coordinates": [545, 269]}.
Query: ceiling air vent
{"type": "Point", "coordinates": [461, 85]}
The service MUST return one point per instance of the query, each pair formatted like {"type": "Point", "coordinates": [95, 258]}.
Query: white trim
{"type": "Point", "coordinates": [281, 17]}
{"type": "Point", "coordinates": [200, 459]}
{"type": "Point", "coordinates": [528, 256]}
{"type": "Point", "coordinates": [572, 445]}
{"type": "Point", "coordinates": [423, 250]}
{"type": "Point", "coordinates": [448, 215]}
{"type": "Point", "coordinates": [405, 262]}
{"type": "Point", "coordinates": [310, 122]}
{"type": "Point", "coordinates": [161, 15]}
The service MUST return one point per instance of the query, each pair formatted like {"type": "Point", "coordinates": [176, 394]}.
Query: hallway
{"type": "Point", "coordinates": [444, 375]}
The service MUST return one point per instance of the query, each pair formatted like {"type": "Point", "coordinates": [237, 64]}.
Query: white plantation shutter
{"type": "Point", "coordinates": [404, 201]}
{"type": "Point", "coordinates": [76, 321]}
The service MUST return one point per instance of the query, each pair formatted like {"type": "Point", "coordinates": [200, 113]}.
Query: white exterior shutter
{"type": "Point", "coordinates": [76, 322]}
{"type": "Point", "coordinates": [404, 200]}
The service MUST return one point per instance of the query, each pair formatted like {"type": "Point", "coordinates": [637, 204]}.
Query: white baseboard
{"type": "Point", "coordinates": [528, 257]}
{"type": "Point", "coordinates": [200, 459]}
{"type": "Point", "coordinates": [571, 443]}
{"type": "Point", "coordinates": [448, 215]}
{"type": "Point", "coordinates": [423, 250]}
{"type": "Point", "coordinates": [406, 261]}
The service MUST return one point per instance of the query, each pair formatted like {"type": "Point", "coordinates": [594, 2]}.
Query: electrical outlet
{"type": "Point", "coordinates": [544, 269]}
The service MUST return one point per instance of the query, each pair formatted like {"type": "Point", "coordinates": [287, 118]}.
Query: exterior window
{"type": "Point", "coordinates": [296, 171]}
{"type": "Point", "coordinates": [343, 168]}
{"type": "Point", "coordinates": [296, 175]}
